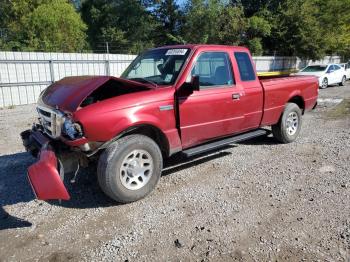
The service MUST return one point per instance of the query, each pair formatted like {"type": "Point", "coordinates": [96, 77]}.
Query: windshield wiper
{"type": "Point", "coordinates": [144, 80]}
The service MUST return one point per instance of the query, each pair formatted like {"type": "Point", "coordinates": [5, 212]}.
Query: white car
{"type": "Point", "coordinates": [327, 74]}
{"type": "Point", "coordinates": [346, 66]}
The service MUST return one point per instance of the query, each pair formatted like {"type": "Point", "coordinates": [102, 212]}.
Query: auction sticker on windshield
{"type": "Point", "coordinates": [176, 52]}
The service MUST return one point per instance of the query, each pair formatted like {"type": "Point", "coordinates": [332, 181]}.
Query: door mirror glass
{"type": "Point", "coordinates": [195, 85]}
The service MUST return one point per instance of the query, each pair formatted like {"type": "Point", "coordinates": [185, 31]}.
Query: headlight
{"type": "Point", "coordinates": [58, 122]}
{"type": "Point", "coordinates": [71, 129]}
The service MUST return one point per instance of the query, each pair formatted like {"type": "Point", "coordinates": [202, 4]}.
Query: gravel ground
{"type": "Point", "coordinates": [258, 200]}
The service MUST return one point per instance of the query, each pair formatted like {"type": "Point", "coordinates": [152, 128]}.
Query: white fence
{"type": "Point", "coordinates": [23, 75]}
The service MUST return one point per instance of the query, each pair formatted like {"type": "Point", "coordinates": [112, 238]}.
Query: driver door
{"type": "Point", "coordinates": [214, 110]}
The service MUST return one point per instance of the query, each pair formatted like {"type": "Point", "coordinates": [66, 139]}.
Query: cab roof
{"type": "Point", "coordinates": [196, 46]}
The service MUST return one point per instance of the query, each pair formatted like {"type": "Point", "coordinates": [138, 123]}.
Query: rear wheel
{"type": "Point", "coordinates": [288, 127]}
{"type": "Point", "coordinates": [130, 168]}
{"type": "Point", "coordinates": [343, 81]}
{"type": "Point", "coordinates": [324, 83]}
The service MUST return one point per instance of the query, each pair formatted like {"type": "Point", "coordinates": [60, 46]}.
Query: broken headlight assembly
{"type": "Point", "coordinates": [72, 129]}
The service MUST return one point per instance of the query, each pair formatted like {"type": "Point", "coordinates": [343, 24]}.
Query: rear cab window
{"type": "Point", "coordinates": [245, 66]}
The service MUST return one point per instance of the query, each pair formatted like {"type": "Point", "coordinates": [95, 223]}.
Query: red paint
{"type": "Point", "coordinates": [196, 117]}
{"type": "Point", "coordinates": [203, 115]}
{"type": "Point", "coordinates": [280, 90]}
{"type": "Point", "coordinates": [44, 178]}
{"type": "Point", "coordinates": [69, 92]}
{"type": "Point", "coordinates": [74, 143]}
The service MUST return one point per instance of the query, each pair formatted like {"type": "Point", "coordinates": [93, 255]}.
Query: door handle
{"type": "Point", "coordinates": [236, 96]}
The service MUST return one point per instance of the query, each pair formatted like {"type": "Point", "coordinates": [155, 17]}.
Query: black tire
{"type": "Point", "coordinates": [324, 83]}
{"type": "Point", "coordinates": [109, 169]}
{"type": "Point", "coordinates": [280, 130]}
{"type": "Point", "coordinates": [343, 81]}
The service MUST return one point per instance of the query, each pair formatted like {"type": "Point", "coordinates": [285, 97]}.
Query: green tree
{"type": "Point", "coordinates": [334, 18]}
{"type": "Point", "coordinates": [296, 30]}
{"type": "Point", "coordinates": [222, 22]}
{"type": "Point", "coordinates": [231, 25]}
{"type": "Point", "coordinates": [251, 7]}
{"type": "Point", "coordinates": [201, 21]}
{"type": "Point", "coordinates": [169, 19]}
{"type": "Point", "coordinates": [11, 16]}
{"type": "Point", "coordinates": [305, 28]}
{"type": "Point", "coordinates": [49, 25]}
{"type": "Point", "coordinates": [213, 21]}
{"type": "Point", "coordinates": [126, 25]}
{"type": "Point", "coordinates": [259, 28]}
{"type": "Point", "coordinates": [55, 26]}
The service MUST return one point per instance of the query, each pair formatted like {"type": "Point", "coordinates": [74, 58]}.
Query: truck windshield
{"type": "Point", "coordinates": [314, 68]}
{"type": "Point", "coordinates": [157, 66]}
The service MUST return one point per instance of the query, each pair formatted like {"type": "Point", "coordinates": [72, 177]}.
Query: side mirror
{"type": "Point", "coordinates": [195, 86]}
{"type": "Point", "coordinates": [160, 68]}
{"type": "Point", "coordinates": [330, 71]}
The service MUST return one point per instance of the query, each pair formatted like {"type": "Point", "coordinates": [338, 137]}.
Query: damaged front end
{"type": "Point", "coordinates": [45, 179]}
{"type": "Point", "coordinates": [46, 175]}
{"type": "Point", "coordinates": [59, 139]}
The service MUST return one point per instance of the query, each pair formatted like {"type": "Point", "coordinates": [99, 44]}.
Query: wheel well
{"type": "Point", "coordinates": [299, 101]}
{"type": "Point", "coordinates": [152, 132]}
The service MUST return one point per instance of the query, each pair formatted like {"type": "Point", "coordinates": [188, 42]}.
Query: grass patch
{"type": "Point", "coordinates": [11, 107]}
{"type": "Point", "coordinates": [341, 110]}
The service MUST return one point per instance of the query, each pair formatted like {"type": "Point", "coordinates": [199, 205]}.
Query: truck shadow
{"type": "Point", "coordinates": [8, 221]}
{"type": "Point", "coordinates": [179, 162]}
{"type": "Point", "coordinates": [14, 188]}
{"type": "Point", "coordinates": [85, 192]}
{"type": "Point", "coordinates": [260, 140]}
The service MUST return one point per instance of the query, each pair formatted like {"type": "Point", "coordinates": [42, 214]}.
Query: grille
{"type": "Point", "coordinates": [51, 120]}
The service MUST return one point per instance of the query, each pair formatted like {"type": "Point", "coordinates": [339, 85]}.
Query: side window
{"type": "Point", "coordinates": [213, 69]}
{"type": "Point", "coordinates": [245, 66]}
{"type": "Point", "coordinates": [336, 67]}
{"type": "Point", "coordinates": [330, 69]}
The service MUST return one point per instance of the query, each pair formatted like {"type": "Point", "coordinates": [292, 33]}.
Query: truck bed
{"type": "Point", "coordinates": [278, 91]}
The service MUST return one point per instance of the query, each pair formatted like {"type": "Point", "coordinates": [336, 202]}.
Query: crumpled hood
{"type": "Point", "coordinates": [68, 93]}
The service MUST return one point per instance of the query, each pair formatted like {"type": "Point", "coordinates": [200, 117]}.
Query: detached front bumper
{"type": "Point", "coordinates": [44, 175]}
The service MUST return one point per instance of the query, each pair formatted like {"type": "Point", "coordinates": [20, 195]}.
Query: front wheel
{"type": "Point", "coordinates": [288, 127]}
{"type": "Point", "coordinates": [130, 168]}
{"type": "Point", "coordinates": [343, 81]}
{"type": "Point", "coordinates": [324, 83]}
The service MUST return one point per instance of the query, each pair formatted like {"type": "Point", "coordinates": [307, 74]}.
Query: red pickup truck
{"type": "Point", "coordinates": [184, 98]}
